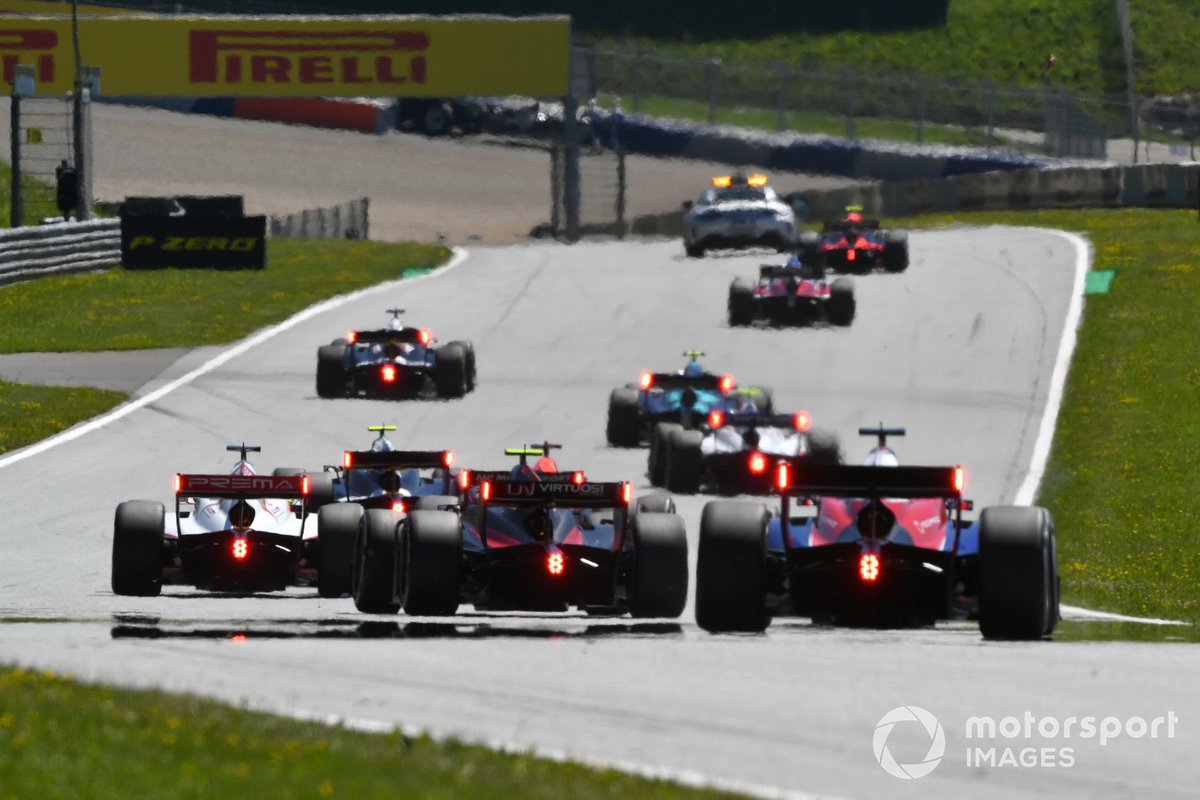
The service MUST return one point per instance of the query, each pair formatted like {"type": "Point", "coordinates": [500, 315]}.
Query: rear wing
{"type": "Point", "coordinates": [405, 336]}
{"type": "Point", "coordinates": [472, 478]}
{"type": "Point", "coordinates": [560, 494]}
{"type": "Point", "coordinates": [669, 380]}
{"type": "Point", "coordinates": [280, 487]}
{"type": "Point", "coordinates": [798, 476]}
{"type": "Point", "coordinates": [398, 459]}
{"type": "Point", "coordinates": [799, 421]}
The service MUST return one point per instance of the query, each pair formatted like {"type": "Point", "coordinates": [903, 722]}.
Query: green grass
{"type": "Point", "coordinates": [121, 309]}
{"type": "Point", "coordinates": [31, 413]}
{"type": "Point", "coordinates": [1122, 474]}
{"type": "Point", "coordinates": [63, 739]}
{"type": "Point", "coordinates": [37, 199]}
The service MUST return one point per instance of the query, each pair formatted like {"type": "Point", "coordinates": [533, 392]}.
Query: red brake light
{"type": "Point", "coordinates": [398, 507]}
{"type": "Point", "coordinates": [464, 479]}
{"type": "Point", "coordinates": [304, 486]}
{"type": "Point", "coordinates": [577, 478]}
{"type": "Point", "coordinates": [715, 419]}
{"type": "Point", "coordinates": [486, 491]}
{"type": "Point", "coordinates": [802, 421]}
{"type": "Point", "coordinates": [388, 373]}
{"type": "Point", "coordinates": [727, 384]}
{"type": "Point", "coordinates": [555, 564]}
{"type": "Point", "coordinates": [851, 254]}
{"type": "Point", "coordinates": [868, 567]}
{"type": "Point", "coordinates": [626, 493]}
{"type": "Point", "coordinates": [783, 475]}
{"type": "Point", "coordinates": [647, 380]}
{"type": "Point", "coordinates": [240, 548]}
{"type": "Point", "coordinates": [347, 460]}
{"type": "Point", "coordinates": [960, 479]}
{"type": "Point", "coordinates": [351, 336]}
{"type": "Point", "coordinates": [425, 335]}
{"type": "Point", "coordinates": [448, 457]}
{"type": "Point", "coordinates": [178, 482]}
{"type": "Point", "coordinates": [758, 463]}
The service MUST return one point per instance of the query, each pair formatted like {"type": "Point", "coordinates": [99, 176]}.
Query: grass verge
{"type": "Point", "coordinates": [31, 413]}
{"type": "Point", "coordinates": [121, 309]}
{"type": "Point", "coordinates": [1121, 473]}
{"type": "Point", "coordinates": [63, 739]}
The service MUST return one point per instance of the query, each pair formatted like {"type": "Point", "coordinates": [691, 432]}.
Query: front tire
{"type": "Point", "coordinates": [659, 581]}
{"type": "Point", "coordinates": [656, 464]}
{"type": "Point", "coordinates": [685, 462]}
{"type": "Point", "coordinates": [624, 418]}
{"type": "Point", "coordinates": [433, 563]}
{"type": "Point", "coordinates": [337, 531]}
{"type": "Point", "coordinates": [895, 251]}
{"type": "Point", "coordinates": [137, 549]}
{"type": "Point", "coordinates": [731, 579]}
{"type": "Point", "coordinates": [1018, 573]}
{"type": "Point", "coordinates": [373, 579]}
{"type": "Point", "coordinates": [841, 302]}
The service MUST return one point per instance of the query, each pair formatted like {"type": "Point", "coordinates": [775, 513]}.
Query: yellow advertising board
{"type": "Point", "coordinates": [296, 56]}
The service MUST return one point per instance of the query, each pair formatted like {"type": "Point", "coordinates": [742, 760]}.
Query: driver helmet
{"type": "Point", "coordinates": [693, 369]}
{"type": "Point", "coordinates": [381, 445]}
{"type": "Point", "coordinates": [854, 216]}
{"type": "Point", "coordinates": [881, 457]}
{"type": "Point", "coordinates": [243, 468]}
{"type": "Point", "coordinates": [394, 324]}
{"type": "Point", "coordinates": [794, 263]}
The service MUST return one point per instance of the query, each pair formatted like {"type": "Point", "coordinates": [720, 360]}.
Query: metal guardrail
{"type": "Point", "coordinates": [59, 247]}
{"type": "Point", "coordinates": [346, 221]}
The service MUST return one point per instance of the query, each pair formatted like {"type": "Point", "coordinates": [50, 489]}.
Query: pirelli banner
{"type": "Point", "coordinates": [156, 241]}
{"type": "Point", "coordinates": [296, 56]}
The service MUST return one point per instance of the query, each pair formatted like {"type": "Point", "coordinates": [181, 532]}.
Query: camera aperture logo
{"type": "Point", "coordinates": [932, 728]}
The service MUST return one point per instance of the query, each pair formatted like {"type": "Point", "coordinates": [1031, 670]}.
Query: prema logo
{"type": "Point", "coordinates": [31, 40]}
{"type": "Point", "coordinates": [365, 57]}
{"type": "Point", "coordinates": [933, 728]}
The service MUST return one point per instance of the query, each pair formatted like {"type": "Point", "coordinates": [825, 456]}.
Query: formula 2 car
{"type": "Point", "coordinates": [240, 532]}
{"type": "Point", "coordinates": [738, 211]}
{"type": "Point", "coordinates": [685, 397]}
{"type": "Point", "coordinates": [877, 544]}
{"type": "Point", "coordinates": [795, 292]}
{"type": "Point", "coordinates": [855, 244]}
{"type": "Point", "coordinates": [732, 452]}
{"type": "Point", "coordinates": [396, 361]}
{"type": "Point", "coordinates": [508, 542]}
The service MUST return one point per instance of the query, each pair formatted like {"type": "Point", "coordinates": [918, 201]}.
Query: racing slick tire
{"type": "Point", "coordinates": [766, 401]}
{"type": "Point", "coordinates": [371, 582]}
{"type": "Point", "coordinates": [286, 472]}
{"type": "Point", "coordinates": [659, 580]}
{"type": "Point", "coordinates": [450, 371]}
{"type": "Point", "coordinates": [824, 447]}
{"type": "Point", "coordinates": [469, 349]}
{"type": "Point", "coordinates": [741, 303]}
{"type": "Point", "coordinates": [656, 465]}
{"type": "Point", "coordinates": [435, 121]}
{"type": "Point", "coordinates": [434, 502]}
{"type": "Point", "coordinates": [137, 549]}
{"type": "Point", "coordinates": [895, 251]}
{"type": "Point", "coordinates": [337, 531]}
{"type": "Point", "coordinates": [685, 462]}
{"type": "Point", "coordinates": [331, 371]}
{"type": "Point", "coordinates": [656, 503]}
{"type": "Point", "coordinates": [841, 302]}
{"type": "Point", "coordinates": [731, 568]}
{"type": "Point", "coordinates": [432, 563]}
{"type": "Point", "coordinates": [320, 491]}
{"type": "Point", "coordinates": [1018, 573]}
{"type": "Point", "coordinates": [694, 250]}
{"type": "Point", "coordinates": [624, 418]}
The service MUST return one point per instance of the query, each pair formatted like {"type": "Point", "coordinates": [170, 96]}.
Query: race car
{"type": "Point", "coordinates": [731, 452]}
{"type": "Point", "coordinates": [517, 542]}
{"type": "Point", "coordinates": [878, 544]}
{"type": "Point", "coordinates": [737, 212]}
{"type": "Point", "coordinates": [685, 397]}
{"type": "Point", "coordinates": [396, 361]}
{"type": "Point", "coordinates": [855, 244]}
{"type": "Point", "coordinates": [796, 292]}
{"type": "Point", "coordinates": [240, 532]}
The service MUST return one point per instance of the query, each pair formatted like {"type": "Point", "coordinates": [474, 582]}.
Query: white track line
{"type": "Point", "coordinates": [1088, 615]}
{"type": "Point", "coordinates": [253, 340]}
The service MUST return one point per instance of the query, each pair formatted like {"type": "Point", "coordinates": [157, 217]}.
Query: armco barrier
{"type": "Point", "coordinates": [59, 247]}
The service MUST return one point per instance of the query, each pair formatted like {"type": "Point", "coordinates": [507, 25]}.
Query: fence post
{"type": "Point", "coordinates": [780, 99]}
{"type": "Point", "coordinates": [637, 79]}
{"type": "Point", "coordinates": [366, 217]}
{"type": "Point", "coordinates": [991, 112]}
{"type": "Point", "coordinates": [621, 230]}
{"type": "Point", "coordinates": [571, 193]}
{"type": "Point", "coordinates": [714, 74]}
{"type": "Point", "coordinates": [922, 98]}
{"type": "Point", "coordinates": [851, 103]}
{"type": "Point", "coordinates": [15, 210]}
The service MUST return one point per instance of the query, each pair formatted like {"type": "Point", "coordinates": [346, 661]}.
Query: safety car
{"type": "Point", "coordinates": [737, 212]}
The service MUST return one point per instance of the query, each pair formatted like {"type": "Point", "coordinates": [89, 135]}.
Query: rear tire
{"type": "Point", "coordinates": [469, 351]}
{"type": "Point", "coordinates": [895, 251]}
{"type": "Point", "coordinates": [731, 580]}
{"type": "Point", "coordinates": [320, 491]}
{"type": "Point", "coordinates": [337, 531]}
{"type": "Point", "coordinates": [372, 582]}
{"type": "Point", "coordinates": [137, 548]}
{"type": "Point", "coordinates": [841, 302]}
{"type": "Point", "coordinates": [331, 371]}
{"type": "Point", "coordinates": [1018, 573]}
{"type": "Point", "coordinates": [685, 462]}
{"type": "Point", "coordinates": [450, 371]}
{"type": "Point", "coordinates": [624, 418]}
{"type": "Point", "coordinates": [659, 582]}
{"type": "Point", "coordinates": [693, 251]}
{"type": "Point", "coordinates": [433, 563]}
{"type": "Point", "coordinates": [741, 302]}
{"type": "Point", "coordinates": [824, 447]}
{"type": "Point", "coordinates": [656, 503]}
{"type": "Point", "coordinates": [434, 502]}
{"type": "Point", "coordinates": [656, 464]}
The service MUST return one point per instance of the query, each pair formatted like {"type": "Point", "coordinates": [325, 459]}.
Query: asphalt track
{"type": "Point", "coordinates": [960, 350]}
